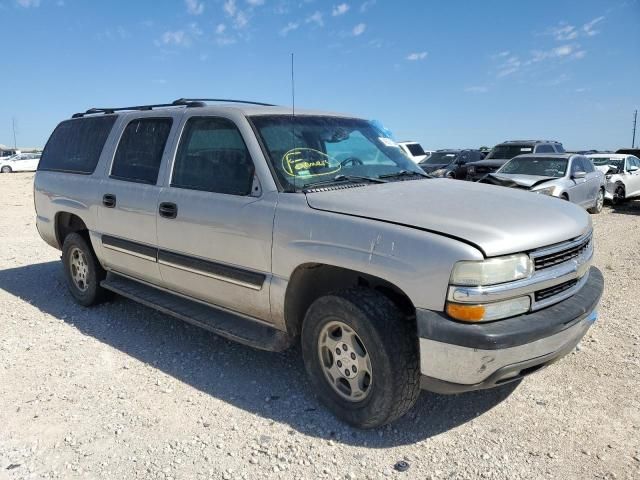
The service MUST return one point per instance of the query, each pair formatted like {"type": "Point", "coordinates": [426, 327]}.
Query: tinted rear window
{"type": "Point", "coordinates": [415, 149]}
{"type": "Point", "coordinates": [508, 151]}
{"type": "Point", "coordinates": [75, 145]}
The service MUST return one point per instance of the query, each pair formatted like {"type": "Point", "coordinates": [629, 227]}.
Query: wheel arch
{"type": "Point", "coordinates": [311, 281]}
{"type": "Point", "coordinates": [66, 223]}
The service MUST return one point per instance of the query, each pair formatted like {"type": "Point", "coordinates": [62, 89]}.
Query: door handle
{"type": "Point", "coordinates": [168, 210]}
{"type": "Point", "coordinates": [109, 200]}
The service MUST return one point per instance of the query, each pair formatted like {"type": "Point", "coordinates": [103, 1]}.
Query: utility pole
{"type": "Point", "coordinates": [13, 122]}
{"type": "Point", "coordinates": [635, 120]}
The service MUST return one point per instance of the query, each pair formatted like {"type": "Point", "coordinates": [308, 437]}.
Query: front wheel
{"type": "Point", "coordinates": [597, 208]}
{"type": "Point", "coordinates": [618, 195]}
{"type": "Point", "coordinates": [6, 169]}
{"type": "Point", "coordinates": [361, 354]}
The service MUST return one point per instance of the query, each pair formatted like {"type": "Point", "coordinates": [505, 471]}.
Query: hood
{"type": "Point", "coordinates": [432, 167]}
{"type": "Point", "coordinates": [516, 180]}
{"type": "Point", "coordinates": [495, 219]}
{"type": "Point", "coordinates": [493, 162]}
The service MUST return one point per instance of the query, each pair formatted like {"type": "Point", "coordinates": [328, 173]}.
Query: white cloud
{"type": "Point", "coordinates": [28, 3]}
{"type": "Point", "coordinates": [316, 18]}
{"type": "Point", "coordinates": [289, 27]}
{"type": "Point", "coordinates": [564, 32]}
{"type": "Point", "coordinates": [255, 3]}
{"type": "Point", "coordinates": [588, 29]}
{"type": "Point", "coordinates": [174, 38]}
{"type": "Point", "coordinates": [511, 65]}
{"type": "Point", "coordinates": [417, 56]}
{"type": "Point", "coordinates": [230, 7]}
{"type": "Point", "coordinates": [221, 28]}
{"type": "Point", "coordinates": [359, 29]}
{"type": "Point", "coordinates": [340, 9]}
{"type": "Point", "coordinates": [367, 5]}
{"type": "Point", "coordinates": [194, 7]}
{"type": "Point", "coordinates": [476, 89]}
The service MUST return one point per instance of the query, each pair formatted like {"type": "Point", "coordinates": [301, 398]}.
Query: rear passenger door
{"type": "Point", "coordinates": [593, 181]}
{"type": "Point", "coordinates": [214, 222]}
{"type": "Point", "coordinates": [127, 215]}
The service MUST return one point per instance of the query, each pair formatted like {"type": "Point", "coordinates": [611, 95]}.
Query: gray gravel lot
{"type": "Point", "coordinates": [120, 391]}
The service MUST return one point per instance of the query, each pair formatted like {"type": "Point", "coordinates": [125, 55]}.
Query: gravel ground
{"type": "Point", "coordinates": [120, 391]}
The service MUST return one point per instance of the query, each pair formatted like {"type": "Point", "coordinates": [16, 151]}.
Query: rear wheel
{"type": "Point", "coordinates": [597, 208]}
{"type": "Point", "coordinates": [6, 169]}
{"type": "Point", "coordinates": [361, 355]}
{"type": "Point", "coordinates": [451, 176]}
{"type": "Point", "coordinates": [83, 272]}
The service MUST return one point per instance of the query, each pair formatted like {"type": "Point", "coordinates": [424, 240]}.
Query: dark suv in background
{"type": "Point", "coordinates": [505, 151]}
{"type": "Point", "coordinates": [450, 163]}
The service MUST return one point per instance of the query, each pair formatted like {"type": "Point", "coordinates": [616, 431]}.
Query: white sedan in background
{"type": "Point", "coordinates": [22, 162]}
{"type": "Point", "coordinates": [622, 173]}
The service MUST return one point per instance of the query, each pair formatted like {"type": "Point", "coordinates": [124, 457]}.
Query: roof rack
{"type": "Point", "coordinates": [181, 102]}
{"type": "Point", "coordinates": [224, 100]}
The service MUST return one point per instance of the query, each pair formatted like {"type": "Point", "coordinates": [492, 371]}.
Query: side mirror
{"type": "Point", "coordinates": [632, 168]}
{"type": "Point", "coordinates": [579, 174]}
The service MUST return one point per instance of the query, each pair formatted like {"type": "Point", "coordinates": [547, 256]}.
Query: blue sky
{"type": "Point", "coordinates": [449, 74]}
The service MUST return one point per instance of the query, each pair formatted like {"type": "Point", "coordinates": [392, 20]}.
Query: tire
{"type": "Point", "coordinates": [451, 176]}
{"type": "Point", "coordinates": [6, 169]}
{"type": "Point", "coordinates": [597, 208]}
{"type": "Point", "coordinates": [83, 272]}
{"type": "Point", "coordinates": [619, 195]}
{"type": "Point", "coordinates": [390, 343]}
{"type": "Point", "coordinates": [564, 196]}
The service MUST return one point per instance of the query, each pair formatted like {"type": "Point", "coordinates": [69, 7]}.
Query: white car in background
{"type": "Point", "coordinates": [22, 162]}
{"type": "Point", "coordinates": [413, 150]}
{"type": "Point", "coordinates": [622, 173]}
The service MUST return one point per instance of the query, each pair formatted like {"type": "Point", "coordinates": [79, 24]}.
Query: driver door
{"type": "Point", "coordinates": [214, 222]}
{"type": "Point", "coordinates": [633, 178]}
{"type": "Point", "coordinates": [578, 192]}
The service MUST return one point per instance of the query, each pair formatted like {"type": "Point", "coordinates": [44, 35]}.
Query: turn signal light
{"type": "Point", "coordinates": [466, 313]}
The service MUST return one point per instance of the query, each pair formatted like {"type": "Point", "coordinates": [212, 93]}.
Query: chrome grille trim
{"type": "Point", "coordinates": [555, 255]}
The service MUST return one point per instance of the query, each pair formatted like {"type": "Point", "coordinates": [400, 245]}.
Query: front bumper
{"type": "Point", "coordinates": [457, 357]}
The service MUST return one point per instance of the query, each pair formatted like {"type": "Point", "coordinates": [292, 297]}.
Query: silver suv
{"type": "Point", "coordinates": [271, 228]}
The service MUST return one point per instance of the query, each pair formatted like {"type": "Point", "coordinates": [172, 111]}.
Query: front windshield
{"type": "Point", "coordinates": [543, 167]}
{"type": "Point", "coordinates": [508, 151]}
{"type": "Point", "coordinates": [603, 161]}
{"type": "Point", "coordinates": [305, 150]}
{"type": "Point", "coordinates": [440, 158]}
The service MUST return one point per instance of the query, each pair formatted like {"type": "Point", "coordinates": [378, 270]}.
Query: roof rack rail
{"type": "Point", "coordinates": [181, 101]}
{"type": "Point", "coordinates": [177, 103]}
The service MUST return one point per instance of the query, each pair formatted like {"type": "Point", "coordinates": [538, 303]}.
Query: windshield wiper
{"type": "Point", "coordinates": [343, 178]}
{"type": "Point", "coordinates": [404, 173]}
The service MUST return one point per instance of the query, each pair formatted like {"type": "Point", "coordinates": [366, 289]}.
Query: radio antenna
{"type": "Point", "coordinates": [293, 116]}
{"type": "Point", "coordinates": [293, 90]}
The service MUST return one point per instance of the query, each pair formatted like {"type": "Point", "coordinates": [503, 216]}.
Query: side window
{"type": "Point", "coordinates": [559, 148]}
{"type": "Point", "coordinates": [588, 166]}
{"type": "Point", "coordinates": [576, 165]}
{"type": "Point", "coordinates": [140, 150]}
{"type": "Point", "coordinates": [75, 145]}
{"type": "Point", "coordinates": [213, 157]}
{"type": "Point", "coordinates": [544, 149]}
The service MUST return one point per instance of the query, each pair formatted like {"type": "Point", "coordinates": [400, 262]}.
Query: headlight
{"type": "Point", "coordinates": [492, 271]}
{"type": "Point", "coordinates": [546, 191]}
{"type": "Point", "coordinates": [438, 173]}
{"type": "Point", "coordinates": [489, 311]}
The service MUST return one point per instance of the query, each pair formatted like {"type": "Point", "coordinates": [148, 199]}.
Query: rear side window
{"type": "Point", "coordinates": [213, 157]}
{"type": "Point", "coordinates": [588, 166]}
{"type": "Point", "coordinates": [559, 148]}
{"type": "Point", "coordinates": [75, 145]}
{"type": "Point", "coordinates": [544, 149]}
{"type": "Point", "coordinates": [415, 149]}
{"type": "Point", "coordinates": [140, 150]}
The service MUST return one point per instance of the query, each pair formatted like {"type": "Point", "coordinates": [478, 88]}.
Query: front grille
{"type": "Point", "coordinates": [556, 258]}
{"type": "Point", "coordinates": [555, 290]}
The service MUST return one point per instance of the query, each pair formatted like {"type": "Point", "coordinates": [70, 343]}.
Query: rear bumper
{"type": "Point", "coordinates": [457, 357]}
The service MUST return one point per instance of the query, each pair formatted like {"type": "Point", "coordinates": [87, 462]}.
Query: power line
{"type": "Point", "coordinates": [635, 120]}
